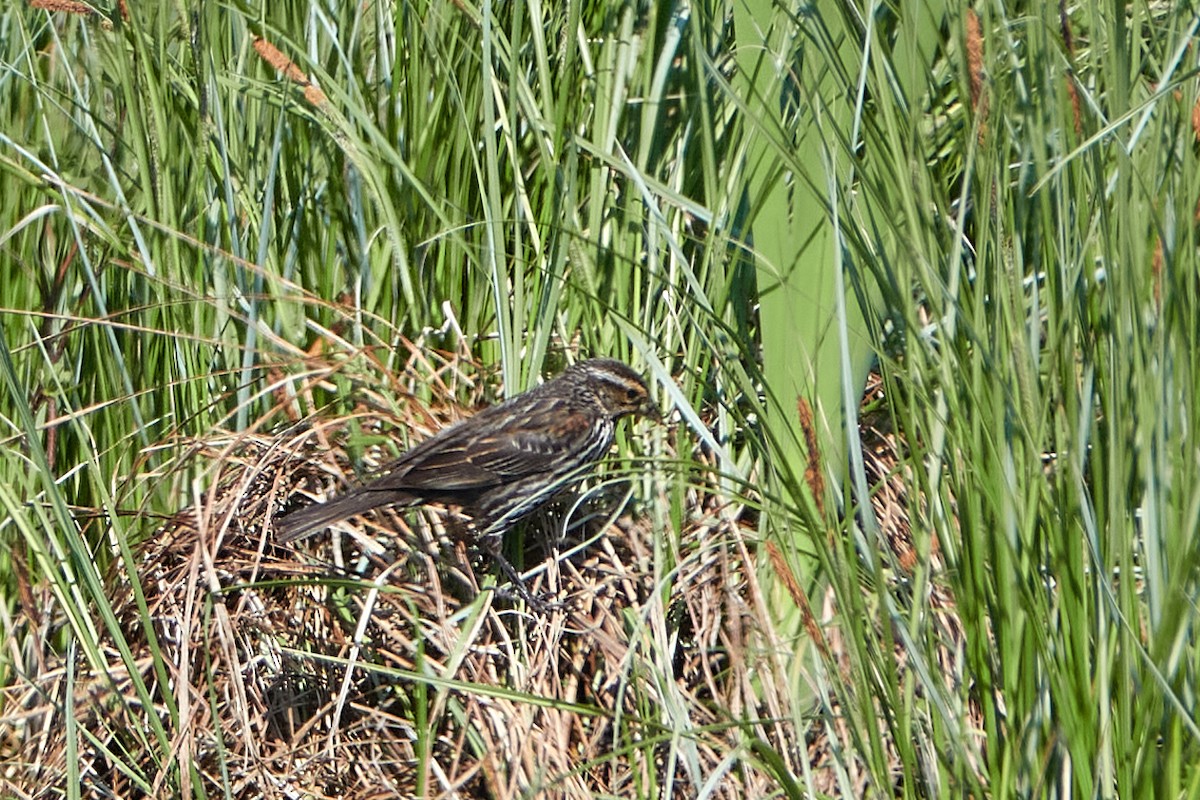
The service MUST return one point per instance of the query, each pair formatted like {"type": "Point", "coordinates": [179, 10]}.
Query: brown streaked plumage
{"type": "Point", "coordinates": [505, 462]}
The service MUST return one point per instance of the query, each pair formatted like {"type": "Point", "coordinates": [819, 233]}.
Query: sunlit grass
{"type": "Point", "coordinates": [233, 223]}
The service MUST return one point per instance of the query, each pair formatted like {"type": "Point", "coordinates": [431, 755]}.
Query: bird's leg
{"type": "Point", "coordinates": [491, 546]}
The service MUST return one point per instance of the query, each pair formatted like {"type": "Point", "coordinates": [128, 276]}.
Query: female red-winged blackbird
{"type": "Point", "coordinates": [505, 462]}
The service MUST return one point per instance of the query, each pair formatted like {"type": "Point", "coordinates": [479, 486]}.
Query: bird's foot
{"type": "Point", "coordinates": [539, 604]}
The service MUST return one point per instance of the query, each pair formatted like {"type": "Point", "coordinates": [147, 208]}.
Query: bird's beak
{"type": "Point", "coordinates": [649, 409]}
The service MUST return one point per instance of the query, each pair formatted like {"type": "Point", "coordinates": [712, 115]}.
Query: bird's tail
{"type": "Point", "coordinates": [308, 520]}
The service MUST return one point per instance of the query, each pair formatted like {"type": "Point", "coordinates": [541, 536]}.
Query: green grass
{"type": "Point", "coordinates": [185, 233]}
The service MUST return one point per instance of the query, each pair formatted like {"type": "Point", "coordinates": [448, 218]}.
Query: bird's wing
{"type": "Point", "coordinates": [480, 458]}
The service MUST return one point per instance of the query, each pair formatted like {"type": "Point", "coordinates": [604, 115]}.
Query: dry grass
{"type": "Point", "coordinates": [368, 663]}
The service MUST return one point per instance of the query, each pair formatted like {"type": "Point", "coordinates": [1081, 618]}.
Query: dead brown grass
{"type": "Point", "coordinates": [369, 663]}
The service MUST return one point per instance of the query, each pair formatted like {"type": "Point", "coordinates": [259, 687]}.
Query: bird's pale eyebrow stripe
{"type": "Point", "coordinates": [621, 381]}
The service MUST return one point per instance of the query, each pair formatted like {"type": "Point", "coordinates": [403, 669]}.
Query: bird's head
{"type": "Point", "coordinates": [618, 390]}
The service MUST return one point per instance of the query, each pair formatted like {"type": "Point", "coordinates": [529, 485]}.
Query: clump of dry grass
{"type": "Point", "coordinates": [373, 662]}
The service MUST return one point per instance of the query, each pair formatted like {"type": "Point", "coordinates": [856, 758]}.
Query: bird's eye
{"type": "Point", "coordinates": [632, 395]}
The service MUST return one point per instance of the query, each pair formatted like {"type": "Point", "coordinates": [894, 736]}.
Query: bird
{"type": "Point", "coordinates": [503, 463]}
